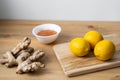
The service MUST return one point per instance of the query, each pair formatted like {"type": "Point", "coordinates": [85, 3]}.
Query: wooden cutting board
{"type": "Point", "coordinates": [73, 65]}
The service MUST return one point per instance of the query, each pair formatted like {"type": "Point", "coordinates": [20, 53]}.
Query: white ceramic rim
{"type": "Point", "coordinates": [33, 31]}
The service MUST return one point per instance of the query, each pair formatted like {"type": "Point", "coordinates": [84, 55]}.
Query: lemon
{"type": "Point", "coordinates": [93, 37]}
{"type": "Point", "coordinates": [79, 47]}
{"type": "Point", "coordinates": [104, 50]}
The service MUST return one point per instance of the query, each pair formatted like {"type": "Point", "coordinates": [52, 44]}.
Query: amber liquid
{"type": "Point", "coordinates": [46, 32]}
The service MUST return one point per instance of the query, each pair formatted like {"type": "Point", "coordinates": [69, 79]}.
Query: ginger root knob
{"type": "Point", "coordinates": [24, 57]}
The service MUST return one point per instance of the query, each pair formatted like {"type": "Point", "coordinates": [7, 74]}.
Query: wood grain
{"type": "Point", "coordinates": [13, 31]}
{"type": "Point", "coordinates": [73, 65]}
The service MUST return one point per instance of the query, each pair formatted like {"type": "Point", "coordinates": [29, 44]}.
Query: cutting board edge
{"type": "Point", "coordinates": [58, 58]}
{"type": "Point", "coordinates": [60, 44]}
{"type": "Point", "coordinates": [91, 69]}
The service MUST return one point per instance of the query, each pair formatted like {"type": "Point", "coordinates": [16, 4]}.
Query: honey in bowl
{"type": "Point", "coordinates": [46, 32]}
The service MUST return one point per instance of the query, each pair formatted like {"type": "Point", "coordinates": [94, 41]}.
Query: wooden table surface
{"type": "Point", "coordinates": [11, 32]}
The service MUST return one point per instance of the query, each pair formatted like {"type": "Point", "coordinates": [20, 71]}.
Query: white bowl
{"type": "Point", "coordinates": [46, 39]}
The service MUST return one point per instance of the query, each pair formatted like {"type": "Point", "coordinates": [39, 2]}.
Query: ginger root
{"type": "Point", "coordinates": [22, 45]}
{"type": "Point", "coordinates": [23, 56]}
{"type": "Point", "coordinates": [31, 63]}
{"type": "Point", "coordinates": [8, 59]}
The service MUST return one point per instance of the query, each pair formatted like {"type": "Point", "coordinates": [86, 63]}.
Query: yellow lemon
{"type": "Point", "coordinates": [79, 47]}
{"type": "Point", "coordinates": [93, 37]}
{"type": "Point", "coordinates": [104, 50]}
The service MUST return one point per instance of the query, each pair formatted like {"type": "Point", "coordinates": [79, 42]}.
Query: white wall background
{"type": "Point", "coordinates": [100, 10]}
